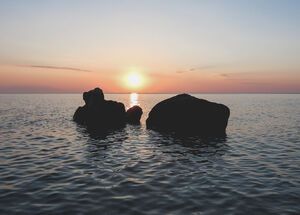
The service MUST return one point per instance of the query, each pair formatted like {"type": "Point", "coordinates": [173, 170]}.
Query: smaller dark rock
{"type": "Point", "coordinates": [133, 114]}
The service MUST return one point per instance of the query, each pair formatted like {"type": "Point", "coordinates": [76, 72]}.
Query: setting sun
{"type": "Point", "coordinates": [134, 79]}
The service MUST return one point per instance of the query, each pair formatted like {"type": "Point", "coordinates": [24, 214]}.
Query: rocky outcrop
{"type": "Point", "coordinates": [101, 114]}
{"type": "Point", "coordinates": [189, 115]}
{"type": "Point", "coordinates": [133, 115]}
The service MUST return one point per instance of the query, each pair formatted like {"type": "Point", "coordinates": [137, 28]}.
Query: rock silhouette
{"type": "Point", "coordinates": [133, 114]}
{"type": "Point", "coordinates": [93, 97]}
{"type": "Point", "coordinates": [189, 115]}
{"type": "Point", "coordinates": [100, 114]}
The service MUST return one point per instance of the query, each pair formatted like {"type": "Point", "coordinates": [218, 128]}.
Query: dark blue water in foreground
{"type": "Point", "coordinates": [49, 165]}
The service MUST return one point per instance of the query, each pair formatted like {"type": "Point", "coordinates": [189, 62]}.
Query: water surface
{"type": "Point", "coordinates": [50, 165]}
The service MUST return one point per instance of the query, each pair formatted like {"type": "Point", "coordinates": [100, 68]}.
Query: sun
{"type": "Point", "coordinates": [134, 79]}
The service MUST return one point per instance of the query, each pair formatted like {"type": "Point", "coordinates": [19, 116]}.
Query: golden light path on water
{"type": "Point", "coordinates": [134, 99]}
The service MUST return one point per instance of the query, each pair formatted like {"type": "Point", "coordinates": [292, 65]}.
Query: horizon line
{"type": "Point", "coordinates": [10, 93]}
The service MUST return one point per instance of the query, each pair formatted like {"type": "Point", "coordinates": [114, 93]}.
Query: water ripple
{"type": "Point", "coordinates": [50, 165]}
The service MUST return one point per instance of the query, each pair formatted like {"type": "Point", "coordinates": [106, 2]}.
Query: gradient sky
{"type": "Point", "coordinates": [178, 45]}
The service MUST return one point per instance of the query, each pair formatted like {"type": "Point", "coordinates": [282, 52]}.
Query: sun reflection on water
{"type": "Point", "coordinates": [134, 99]}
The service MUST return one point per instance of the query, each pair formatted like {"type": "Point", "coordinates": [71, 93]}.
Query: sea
{"type": "Point", "coordinates": [51, 165]}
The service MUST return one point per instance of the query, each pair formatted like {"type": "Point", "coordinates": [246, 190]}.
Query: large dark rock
{"type": "Point", "coordinates": [133, 115]}
{"type": "Point", "coordinates": [98, 113]}
{"type": "Point", "coordinates": [189, 115]}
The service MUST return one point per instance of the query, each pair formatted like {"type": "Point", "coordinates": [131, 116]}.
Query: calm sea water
{"type": "Point", "coordinates": [50, 165]}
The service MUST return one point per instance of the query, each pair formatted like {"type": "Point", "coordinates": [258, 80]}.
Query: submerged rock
{"type": "Point", "coordinates": [189, 115]}
{"type": "Point", "coordinates": [133, 115]}
{"type": "Point", "coordinates": [98, 113]}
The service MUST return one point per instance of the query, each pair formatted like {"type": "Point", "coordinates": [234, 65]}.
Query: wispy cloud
{"type": "Point", "coordinates": [239, 75]}
{"type": "Point", "coordinates": [56, 67]}
{"type": "Point", "coordinates": [248, 78]}
{"type": "Point", "coordinates": [198, 68]}
{"type": "Point", "coordinates": [225, 75]}
{"type": "Point", "coordinates": [256, 83]}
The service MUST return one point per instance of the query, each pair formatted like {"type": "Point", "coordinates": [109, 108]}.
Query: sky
{"type": "Point", "coordinates": [176, 46]}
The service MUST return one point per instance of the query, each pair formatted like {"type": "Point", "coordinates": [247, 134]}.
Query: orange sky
{"type": "Point", "coordinates": [34, 79]}
{"type": "Point", "coordinates": [177, 46]}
